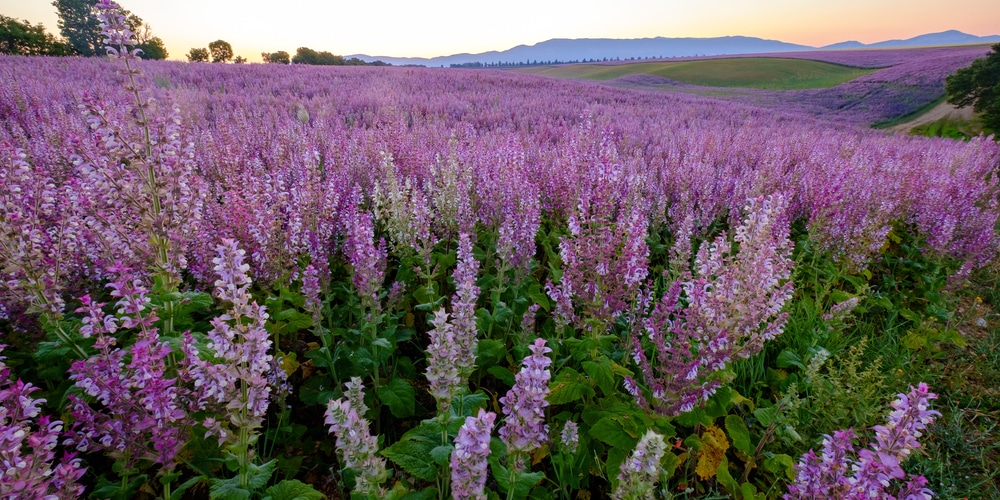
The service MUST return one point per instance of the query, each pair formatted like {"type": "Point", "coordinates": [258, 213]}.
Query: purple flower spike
{"type": "Point", "coordinates": [843, 471]}
{"type": "Point", "coordinates": [524, 405]}
{"type": "Point", "coordinates": [468, 461]}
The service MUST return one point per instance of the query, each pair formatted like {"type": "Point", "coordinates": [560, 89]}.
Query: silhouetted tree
{"type": "Point", "coordinates": [279, 57]}
{"type": "Point", "coordinates": [79, 25]}
{"type": "Point", "coordinates": [239, 60]}
{"type": "Point", "coordinates": [305, 55]}
{"type": "Point", "coordinates": [22, 38]}
{"type": "Point", "coordinates": [198, 55]}
{"type": "Point", "coordinates": [979, 86]}
{"type": "Point", "coordinates": [153, 49]}
{"type": "Point", "coordinates": [221, 51]}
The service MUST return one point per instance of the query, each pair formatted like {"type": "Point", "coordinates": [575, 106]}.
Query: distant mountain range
{"type": "Point", "coordinates": [599, 49]}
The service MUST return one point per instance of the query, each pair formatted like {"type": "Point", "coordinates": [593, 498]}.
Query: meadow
{"type": "Point", "coordinates": [862, 87]}
{"type": "Point", "coordinates": [770, 73]}
{"type": "Point", "coordinates": [266, 281]}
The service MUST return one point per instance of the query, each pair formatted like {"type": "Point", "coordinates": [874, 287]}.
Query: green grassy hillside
{"type": "Point", "coordinates": [748, 72]}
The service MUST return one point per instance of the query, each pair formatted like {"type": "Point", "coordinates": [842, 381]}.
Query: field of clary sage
{"type": "Point", "coordinates": [264, 281]}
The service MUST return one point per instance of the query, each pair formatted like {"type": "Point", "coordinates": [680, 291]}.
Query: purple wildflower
{"type": "Point", "coordinates": [842, 471]}
{"type": "Point", "coordinates": [524, 427]}
{"type": "Point", "coordinates": [641, 470]}
{"type": "Point", "coordinates": [235, 381]}
{"type": "Point", "coordinates": [28, 442]}
{"type": "Point", "coordinates": [135, 410]}
{"type": "Point", "coordinates": [570, 436]}
{"type": "Point", "coordinates": [367, 259]}
{"type": "Point", "coordinates": [468, 461]}
{"type": "Point", "coordinates": [463, 320]}
{"type": "Point", "coordinates": [728, 307]}
{"type": "Point", "coordinates": [443, 374]}
{"type": "Point", "coordinates": [356, 445]}
{"type": "Point", "coordinates": [451, 352]}
{"type": "Point", "coordinates": [118, 35]}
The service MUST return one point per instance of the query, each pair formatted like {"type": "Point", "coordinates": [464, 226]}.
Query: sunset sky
{"type": "Point", "coordinates": [430, 28]}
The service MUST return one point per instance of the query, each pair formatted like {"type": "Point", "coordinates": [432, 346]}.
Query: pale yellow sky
{"type": "Point", "coordinates": [430, 28]}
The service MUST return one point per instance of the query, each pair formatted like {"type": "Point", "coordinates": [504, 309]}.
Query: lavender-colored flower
{"type": "Point", "coordinates": [235, 381]}
{"type": "Point", "coordinates": [28, 439]}
{"type": "Point", "coordinates": [727, 307]}
{"type": "Point", "coordinates": [641, 470]}
{"type": "Point", "coordinates": [357, 447]}
{"type": "Point", "coordinates": [524, 427]}
{"type": "Point", "coordinates": [366, 258]}
{"type": "Point", "coordinates": [118, 35]}
{"type": "Point", "coordinates": [133, 409]}
{"type": "Point", "coordinates": [570, 436]}
{"type": "Point", "coordinates": [468, 461]}
{"type": "Point", "coordinates": [842, 471]}
{"type": "Point", "coordinates": [451, 354]}
{"type": "Point", "coordinates": [443, 374]}
{"type": "Point", "coordinates": [463, 319]}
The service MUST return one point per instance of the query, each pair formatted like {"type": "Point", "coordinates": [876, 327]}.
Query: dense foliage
{"type": "Point", "coordinates": [259, 281]}
{"type": "Point", "coordinates": [21, 38]}
{"type": "Point", "coordinates": [979, 86]}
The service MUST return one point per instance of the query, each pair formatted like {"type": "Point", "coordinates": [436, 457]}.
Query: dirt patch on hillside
{"type": "Point", "coordinates": [943, 110]}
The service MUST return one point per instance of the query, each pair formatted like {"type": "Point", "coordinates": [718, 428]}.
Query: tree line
{"type": "Point", "coordinates": [80, 30]}
{"type": "Point", "coordinates": [305, 55]}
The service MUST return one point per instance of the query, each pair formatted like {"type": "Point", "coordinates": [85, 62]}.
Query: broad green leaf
{"type": "Point", "coordinates": [600, 372]}
{"type": "Point", "coordinates": [259, 475]}
{"type": "Point", "coordinates": [724, 477]}
{"type": "Point", "coordinates": [567, 386]}
{"type": "Point", "coordinates": [788, 358]}
{"type": "Point", "coordinates": [738, 433]}
{"type": "Point", "coordinates": [611, 431]}
{"type": "Point", "coordinates": [910, 315]}
{"type": "Point", "coordinates": [398, 396]}
{"type": "Point", "coordinates": [502, 374]}
{"type": "Point", "coordinates": [228, 489]}
{"type": "Point", "coordinates": [292, 489]}
{"type": "Point", "coordinates": [427, 494]}
{"type": "Point", "coordinates": [467, 404]}
{"type": "Point", "coordinates": [524, 483]}
{"type": "Point", "coordinates": [765, 415]}
{"type": "Point", "coordinates": [414, 457]}
{"type": "Point", "coordinates": [489, 352]}
{"type": "Point", "coordinates": [781, 464]}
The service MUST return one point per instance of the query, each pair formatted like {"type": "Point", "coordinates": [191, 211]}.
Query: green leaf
{"type": "Point", "coordinates": [489, 352]}
{"type": "Point", "coordinates": [738, 433]}
{"type": "Point", "coordinates": [601, 374]}
{"type": "Point", "coordinates": [724, 477]}
{"type": "Point", "coordinates": [177, 492]}
{"type": "Point", "coordinates": [414, 457]}
{"type": "Point", "coordinates": [538, 296]}
{"type": "Point", "coordinates": [781, 464]}
{"type": "Point", "coordinates": [788, 358]}
{"type": "Point", "coordinates": [694, 417]}
{"type": "Point", "coordinates": [765, 415]}
{"type": "Point", "coordinates": [428, 494]}
{"type": "Point", "coordinates": [292, 489]}
{"type": "Point", "coordinates": [442, 454]}
{"type": "Point", "coordinates": [259, 475]}
{"type": "Point", "coordinates": [398, 396]}
{"type": "Point", "coordinates": [502, 374]}
{"type": "Point", "coordinates": [524, 483]}
{"type": "Point", "coordinates": [910, 315]}
{"type": "Point", "coordinates": [568, 386]}
{"type": "Point", "coordinates": [610, 430]}
{"type": "Point", "coordinates": [228, 489]}
{"type": "Point", "coordinates": [467, 404]}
